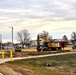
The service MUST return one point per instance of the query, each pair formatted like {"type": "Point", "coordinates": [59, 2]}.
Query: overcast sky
{"type": "Point", "coordinates": [58, 17]}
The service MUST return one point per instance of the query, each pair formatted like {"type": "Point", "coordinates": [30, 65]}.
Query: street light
{"type": "Point", "coordinates": [12, 34]}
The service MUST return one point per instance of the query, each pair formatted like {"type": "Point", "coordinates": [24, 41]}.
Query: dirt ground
{"type": "Point", "coordinates": [7, 69]}
{"type": "Point", "coordinates": [33, 52]}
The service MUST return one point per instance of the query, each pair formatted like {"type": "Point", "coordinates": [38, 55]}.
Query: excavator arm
{"type": "Point", "coordinates": [38, 41]}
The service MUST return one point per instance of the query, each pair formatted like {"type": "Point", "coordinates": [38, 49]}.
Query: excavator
{"type": "Point", "coordinates": [48, 44]}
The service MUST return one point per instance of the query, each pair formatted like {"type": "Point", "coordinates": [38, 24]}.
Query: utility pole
{"type": "Point", "coordinates": [12, 36]}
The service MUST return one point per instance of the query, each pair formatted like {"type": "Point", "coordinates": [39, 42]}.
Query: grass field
{"type": "Point", "coordinates": [54, 65]}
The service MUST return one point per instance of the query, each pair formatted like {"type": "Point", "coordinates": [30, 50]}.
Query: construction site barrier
{"type": "Point", "coordinates": [10, 55]}
{"type": "Point", "coordinates": [3, 53]}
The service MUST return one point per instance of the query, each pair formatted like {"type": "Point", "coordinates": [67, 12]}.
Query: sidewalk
{"type": "Point", "coordinates": [19, 58]}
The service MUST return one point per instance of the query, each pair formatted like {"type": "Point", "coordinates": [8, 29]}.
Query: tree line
{"type": "Point", "coordinates": [23, 37]}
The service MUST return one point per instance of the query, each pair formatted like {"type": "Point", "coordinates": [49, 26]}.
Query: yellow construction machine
{"type": "Point", "coordinates": [48, 44]}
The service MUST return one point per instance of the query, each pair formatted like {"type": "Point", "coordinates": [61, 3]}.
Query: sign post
{"type": "Point", "coordinates": [1, 40]}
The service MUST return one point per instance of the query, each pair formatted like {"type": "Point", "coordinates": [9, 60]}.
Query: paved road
{"type": "Point", "coordinates": [18, 58]}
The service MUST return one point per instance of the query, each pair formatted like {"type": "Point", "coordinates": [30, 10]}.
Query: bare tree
{"type": "Point", "coordinates": [45, 33]}
{"type": "Point", "coordinates": [65, 38]}
{"type": "Point", "coordinates": [73, 37]}
{"type": "Point", "coordinates": [23, 37]}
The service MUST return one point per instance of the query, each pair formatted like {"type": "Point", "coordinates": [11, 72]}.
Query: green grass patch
{"type": "Point", "coordinates": [65, 62]}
